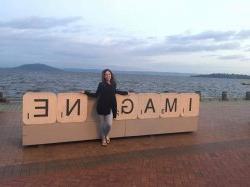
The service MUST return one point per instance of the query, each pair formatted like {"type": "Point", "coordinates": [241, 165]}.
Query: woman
{"type": "Point", "coordinates": [106, 104]}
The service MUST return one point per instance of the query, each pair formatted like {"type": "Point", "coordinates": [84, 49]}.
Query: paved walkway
{"type": "Point", "coordinates": [218, 154]}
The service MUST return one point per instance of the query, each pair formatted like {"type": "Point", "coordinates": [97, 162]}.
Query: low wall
{"type": "Point", "coordinates": [63, 131]}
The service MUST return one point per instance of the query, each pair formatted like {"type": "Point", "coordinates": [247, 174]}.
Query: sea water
{"type": "Point", "coordinates": [15, 83]}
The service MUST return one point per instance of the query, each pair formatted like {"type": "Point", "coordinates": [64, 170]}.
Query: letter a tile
{"type": "Point", "coordinates": [149, 105]}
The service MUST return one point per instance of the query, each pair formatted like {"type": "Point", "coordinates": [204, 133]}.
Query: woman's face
{"type": "Point", "coordinates": [107, 76]}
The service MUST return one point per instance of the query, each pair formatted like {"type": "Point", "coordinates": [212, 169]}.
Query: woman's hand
{"type": "Point", "coordinates": [88, 93]}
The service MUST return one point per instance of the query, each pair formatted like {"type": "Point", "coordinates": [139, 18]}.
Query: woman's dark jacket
{"type": "Point", "coordinates": [106, 98]}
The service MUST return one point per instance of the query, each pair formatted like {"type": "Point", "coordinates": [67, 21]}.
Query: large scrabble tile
{"type": "Point", "coordinates": [170, 105]}
{"type": "Point", "coordinates": [190, 104]}
{"type": "Point", "coordinates": [39, 108]}
{"type": "Point", "coordinates": [71, 107]}
{"type": "Point", "coordinates": [149, 105]}
{"type": "Point", "coordinates": [127, 106]}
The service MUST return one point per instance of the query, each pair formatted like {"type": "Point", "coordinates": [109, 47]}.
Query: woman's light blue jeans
{"type": "Point", "coordinates": [105, 124]}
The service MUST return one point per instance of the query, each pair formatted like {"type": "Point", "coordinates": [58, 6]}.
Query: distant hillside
{"type": "Point", "coordinates": [223, 75]}
{"type": "Point", "coordinates": [35, 67]}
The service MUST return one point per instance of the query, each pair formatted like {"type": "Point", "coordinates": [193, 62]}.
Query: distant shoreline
{"type": "Point", "coordinates": [45, 68]}
{"type": "Point", "coordinates": [38, 67]}
{"type": "Point", "coordinates": [223, 76]}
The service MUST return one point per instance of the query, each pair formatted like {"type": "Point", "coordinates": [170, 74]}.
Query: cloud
{"type": "Point", "coordinates": [34, 46]}
{"type": "Point", "coordinates": [207, 35]}
{"type": "Point", "coordinates": [75, 29]}
{"type": "Point", "coordinates": [169, 48]}
{"type": "Point", "coordinates": [247, 50]}
{"type": "Point", "coordinates": [234, 57]}
{"type": "Point", "coordinates": [208, 41]}
{"type": "Point", "coordinates": [244, 34]}
{"type": "Point", "coordinates": [39, 22]}
{"type": "Point", "coordinates": [231, 57]}
{"type": "Point", "coordinates": [216, 36]}
{"type": "Point", "coordinates": [61, 41]}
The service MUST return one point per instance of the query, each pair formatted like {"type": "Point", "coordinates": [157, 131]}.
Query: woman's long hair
{"type": "Point", "coordinates": [112, 81]}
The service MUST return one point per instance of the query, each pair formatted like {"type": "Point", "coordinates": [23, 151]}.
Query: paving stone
{"type": "Point", "coordinates": [218, 154]}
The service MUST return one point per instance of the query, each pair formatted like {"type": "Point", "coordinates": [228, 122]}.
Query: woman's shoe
{"type": "Point", "coordinates": [104, 143]}
{"type": "Point", "coordinates": [107, 139]}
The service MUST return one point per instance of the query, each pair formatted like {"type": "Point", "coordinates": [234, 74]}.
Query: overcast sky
{"type": "Point", "coordinates": [191, 36]}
